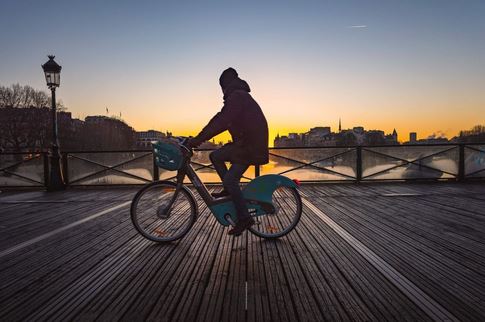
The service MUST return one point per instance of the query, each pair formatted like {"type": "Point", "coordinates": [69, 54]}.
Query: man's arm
{"type": "Point", "coordinates": [219, 123]}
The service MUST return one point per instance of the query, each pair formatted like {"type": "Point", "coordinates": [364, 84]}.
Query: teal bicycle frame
{"type": "Point", "coordinates": [257, 193]}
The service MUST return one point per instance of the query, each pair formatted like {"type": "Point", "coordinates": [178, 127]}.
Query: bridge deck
{"type": "Point", "coordinates": [361, 252]}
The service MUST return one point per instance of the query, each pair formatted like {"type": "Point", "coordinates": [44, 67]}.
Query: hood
{"type": "Point", "coordinates": [236, 85]}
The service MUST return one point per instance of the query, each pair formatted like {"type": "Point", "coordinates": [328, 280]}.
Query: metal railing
{"type": "Point", "coordinates": [308, 164]}
{"type": "Point", "coordinates": [24, 169]}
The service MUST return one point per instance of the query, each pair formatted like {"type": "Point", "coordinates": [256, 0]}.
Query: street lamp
{"type": "Point", "coordinates": [52, 73]}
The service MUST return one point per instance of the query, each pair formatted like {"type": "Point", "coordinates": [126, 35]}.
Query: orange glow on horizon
{"type": "Point", "coordinates": [403, 130]}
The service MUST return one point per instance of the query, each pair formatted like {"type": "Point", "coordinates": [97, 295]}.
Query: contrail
{"type": "Point", "coordinates": [358, 26]}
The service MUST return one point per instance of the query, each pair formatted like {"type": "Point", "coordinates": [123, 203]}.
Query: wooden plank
{"type": "Point", "coordinates": [281, 301]}
{"type": "Point", "coordinates": [213, 296]}
{"type": "Point", "coordinates": [104, 270]}
{"type": "Point", "coordinates": [191, 300]}
{"type": "Point", "coordinates": [232, 305]}
{"type": "Point", "coordinates": [36, 262]}
{"type": "Point", "coordinates": [435, 225]}
{"type": "Point", "coordinates": [101, 276]}
{"type": "Point", "coordinates": [306, 306]}
{"type": "Point", "coordinates": [361, 289]}
{"type": "Point", "coordinates": [61, 277]}
{"type": "Point", "coordinates": [114, 300]}
{"type": "Point", "coordinates": [60, 229]}
{"type": "Point", "coordinates": [394, 247]}
{"type": "Point", "coordinates": [420, 298]}
{"type": "Point", "coordinates": [259, 308]}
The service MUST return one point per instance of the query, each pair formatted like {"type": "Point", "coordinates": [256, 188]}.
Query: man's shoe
{"type": "Point", "coordinates": [241, 226]}
{"type": "Point", "coordinates": [223, 193]}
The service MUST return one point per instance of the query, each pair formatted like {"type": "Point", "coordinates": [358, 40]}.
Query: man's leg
{"type": "Point", "coordinates": [219, 158]}
{"type": "Point", "coordinates": [231, 184]}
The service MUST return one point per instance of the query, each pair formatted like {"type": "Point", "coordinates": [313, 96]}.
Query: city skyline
{"type": "Point", "coordinates": [413, 66]}
{"type": "Point", "coordinates": [225, 137]}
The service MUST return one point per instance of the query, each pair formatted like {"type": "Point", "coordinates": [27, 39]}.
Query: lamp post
{"type": "Point", "coordinates": [52, 73]}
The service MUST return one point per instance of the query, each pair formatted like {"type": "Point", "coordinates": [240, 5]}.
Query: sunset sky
{"type": "Point", "coordinates": [410, 65]}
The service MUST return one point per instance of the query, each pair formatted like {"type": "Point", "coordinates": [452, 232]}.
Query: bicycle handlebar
{"type": "Point", "coordinates": [182, 141]}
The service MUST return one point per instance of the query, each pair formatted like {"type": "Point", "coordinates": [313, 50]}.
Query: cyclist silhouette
{"type": "Point", "coordinates": [245, 121]}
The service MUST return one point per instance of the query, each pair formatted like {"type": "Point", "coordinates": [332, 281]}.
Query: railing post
{"type": "Point", "coordinates": [65, 168]}
{"type": "Point", "coordinates": [46, 169]}
{"type": "Point", "coordinates": [461, 162]}
{"type": "Point", "coordinates": [359, 163]}
{"type": "Point", "coordinates": [156, 174]}
{"type": "Point", "coordinates": [256, 170]}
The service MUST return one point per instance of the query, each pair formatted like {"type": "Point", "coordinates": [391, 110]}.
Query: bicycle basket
{"type": "Point", "coordinates": [167, 155]}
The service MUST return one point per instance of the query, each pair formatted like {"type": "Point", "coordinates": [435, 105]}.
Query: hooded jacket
{"type": "Point", "coordinates": [245, 121]}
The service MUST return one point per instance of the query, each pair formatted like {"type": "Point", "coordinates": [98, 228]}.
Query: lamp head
{"type": "Point", "coordinates": [52, 72]}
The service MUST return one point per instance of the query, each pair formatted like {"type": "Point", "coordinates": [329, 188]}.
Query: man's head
{"type": "Point", "coordinates": [227, 77]}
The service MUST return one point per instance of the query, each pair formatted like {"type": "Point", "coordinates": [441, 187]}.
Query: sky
{"type": "Point", "coordinates": [410, 65]}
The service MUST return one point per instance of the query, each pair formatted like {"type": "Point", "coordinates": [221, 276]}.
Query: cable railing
{"type": "Point", "coordinates": [458, 162]}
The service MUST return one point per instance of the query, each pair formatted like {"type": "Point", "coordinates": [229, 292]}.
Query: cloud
{"type": "Point", "coordinates": [358, 26]}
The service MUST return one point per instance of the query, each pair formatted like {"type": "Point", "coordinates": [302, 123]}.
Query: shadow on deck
{"type": "Point", "coordinates": [360, 252]}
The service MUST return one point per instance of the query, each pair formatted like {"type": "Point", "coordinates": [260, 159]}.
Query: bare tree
{"type": "Point", "coordinates": [24, 118]}
{"type": "Point", "coordinates": [475, 135]}
{"type": "Point", "coordinates": [18, 96]}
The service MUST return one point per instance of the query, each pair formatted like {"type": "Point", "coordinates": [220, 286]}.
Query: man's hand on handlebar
{"type": "Point", "coordinates": [192, 143]}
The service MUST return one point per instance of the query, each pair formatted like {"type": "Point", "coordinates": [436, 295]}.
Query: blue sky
{"type": "Point", "coordinates": [414, 65]}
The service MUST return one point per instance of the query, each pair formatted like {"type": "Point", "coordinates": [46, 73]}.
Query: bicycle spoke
{"type": "Point", "coordinates": [154, 199]}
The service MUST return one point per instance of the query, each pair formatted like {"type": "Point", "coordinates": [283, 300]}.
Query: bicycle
{"type": "Point", "coordinates": [164, 211]}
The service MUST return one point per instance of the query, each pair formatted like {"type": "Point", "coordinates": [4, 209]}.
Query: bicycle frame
{"type": "Point", "coordinates": [201, 188]}
{"type": "Point", "coordinates": [258, 194]}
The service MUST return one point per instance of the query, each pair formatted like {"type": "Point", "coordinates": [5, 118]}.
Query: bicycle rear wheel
{"type": "Point", "coordinates": [287, 202]}
{"type": "Point", "coordinates": [159, 216]}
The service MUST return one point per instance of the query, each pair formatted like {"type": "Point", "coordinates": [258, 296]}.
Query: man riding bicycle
{"type": "Point", "coordinates": [245, 121]}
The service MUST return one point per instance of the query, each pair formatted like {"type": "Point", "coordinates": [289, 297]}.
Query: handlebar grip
{"type": "Point", "coordinates": [187, 149]}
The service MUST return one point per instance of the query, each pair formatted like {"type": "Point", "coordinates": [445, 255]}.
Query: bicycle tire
{"type": "Point", "coordinates": [287, 202]}
{"type": "Point", "coordinates": [158, 222]}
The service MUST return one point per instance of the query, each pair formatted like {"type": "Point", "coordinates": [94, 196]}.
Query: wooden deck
{"type": "Point", "coordinates": [368, 252]}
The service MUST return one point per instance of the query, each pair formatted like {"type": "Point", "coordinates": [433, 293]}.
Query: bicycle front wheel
{"type": "Point", "coordinates": [287, 202]}
{"type": "Point", "coordinates": [161, 216]}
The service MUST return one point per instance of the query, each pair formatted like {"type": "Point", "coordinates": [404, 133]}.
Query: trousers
{"type": "Point", "coordinates": [231, 177]}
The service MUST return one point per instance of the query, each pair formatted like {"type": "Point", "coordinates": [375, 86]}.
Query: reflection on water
{"type": "Point", "coordinates": [29, 169]}
{"type": "Point", "coordinates": [396, 163]}
{"type": "Point", "coordinates": [475, 161]}
{"type": "Point", "coordinates": [391, 170]}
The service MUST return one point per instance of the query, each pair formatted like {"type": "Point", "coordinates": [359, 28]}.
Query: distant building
{"type": "Point", "coordinates": [355, 136]}
{"type": "Point", "coordinates": [391, 139]}
{"type": "Point", "coordinates": [107, 133]}
{"type": "Point", "coordinates": [358, 129]}
{"type": "Point", "coordinates": [30, 128]}
{"type": "Point", "coordinates": [144, 138]}
{"type": "Point", "coordinates": [413, 137]}
{"type": "Point", "coordinates": [288, 141]}
{"type": "Point", "coordinates": [317, 136]}
{"type": "Point", "coordinates": [321, 136]}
